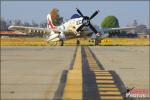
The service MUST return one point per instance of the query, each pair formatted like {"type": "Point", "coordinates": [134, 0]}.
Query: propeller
{"type": "Point", "coordinates": [79, 12]}
{"type": "Point", "coordinates": [86, 21]}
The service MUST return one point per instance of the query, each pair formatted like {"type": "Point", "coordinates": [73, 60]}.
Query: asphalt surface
{"type": "Point", "coordinates": [35, 72]}
{"type": "Point", "coordinates": [131, 63]}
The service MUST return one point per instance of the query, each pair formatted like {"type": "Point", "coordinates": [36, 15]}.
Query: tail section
{"type": "Point", "coordinates": [50, 23]}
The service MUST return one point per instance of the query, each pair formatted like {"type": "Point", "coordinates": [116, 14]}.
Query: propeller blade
{"type": "Point", "coordinates": [94, 14]}
{"type": "Point", "coordinates": [79, 12]}
{"type": "Point", "coordinates": [93, 29]}
{"type": "Point", "coordinates": [79, 28]}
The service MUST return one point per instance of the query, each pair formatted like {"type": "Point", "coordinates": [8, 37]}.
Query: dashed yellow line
{"type": "Point", "coordinates": [105, 83]}
{"type": "Point", "coordinates": [111, 98]}
{"type": "Point", "coordinates": [108, 89]}
{"type": "Point", "coordinates": [110, 93]}
{"type": "Point", "coordinates": [102, 74]}
{"type": "Point", "coordinates": [104, 77]}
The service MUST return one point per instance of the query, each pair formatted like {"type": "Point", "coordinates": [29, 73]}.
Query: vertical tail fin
{"type": "Point", "coordinates": [50, 23]}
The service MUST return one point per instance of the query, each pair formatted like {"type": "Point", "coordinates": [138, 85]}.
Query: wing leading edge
{"type": "Point", "coordinates": [29, 30]}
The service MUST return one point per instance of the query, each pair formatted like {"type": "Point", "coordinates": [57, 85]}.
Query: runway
{"type": "Point", "coordinates": [130, 62]}
{"type": "Point", "coordinates": [35, 72]}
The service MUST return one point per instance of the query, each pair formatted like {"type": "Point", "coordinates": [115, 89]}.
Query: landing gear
{"type": "Point", "coordinates": [94, 42]}
{"type": "Point", "coordinates": [62, 43]}
{"type": "Point", "coordinates": [78, 42]}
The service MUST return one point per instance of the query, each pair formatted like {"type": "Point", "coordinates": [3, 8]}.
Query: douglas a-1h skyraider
{"type": "Point", "coordinates": [77, 27]}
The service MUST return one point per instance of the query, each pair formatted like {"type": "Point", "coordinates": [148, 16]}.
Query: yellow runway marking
{"type": "Point", "coordinates": [111, 98]}
{"type": "Point", "coordinates": [102, 74]}
{"type": "Point", "coordinates": [106, 85]}
{"type": "Point", "coordinates": [73, 87]}
{"type": "Point", "coordinates": [104, 80]}
{"type": "Point", "coordinates": [110, 93]}
{"type": "Point", "coordinates": [104, 77]}
{"type": "Point", "coordinates": [99, 81]}
{"type": "Point", "coordinates": [108, 89]}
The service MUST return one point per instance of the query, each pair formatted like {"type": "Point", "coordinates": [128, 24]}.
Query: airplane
{"type": "Point", "coordinates": [76, 27]}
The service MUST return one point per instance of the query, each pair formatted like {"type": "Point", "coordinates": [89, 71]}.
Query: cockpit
{"type": "Point", "coordinates": [75, 16]}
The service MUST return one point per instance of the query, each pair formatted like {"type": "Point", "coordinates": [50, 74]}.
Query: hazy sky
{"type": "Point", "coordinates": [125, 11]}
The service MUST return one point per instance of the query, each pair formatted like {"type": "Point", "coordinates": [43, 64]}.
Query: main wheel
{"type": "Point", "coordinates": [62, 43]}
{"type": "Point", "coordinates": [78, 42]}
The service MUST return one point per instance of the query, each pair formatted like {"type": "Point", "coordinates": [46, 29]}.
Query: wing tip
{"type": "Point", "coordinates": [10, 27]}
